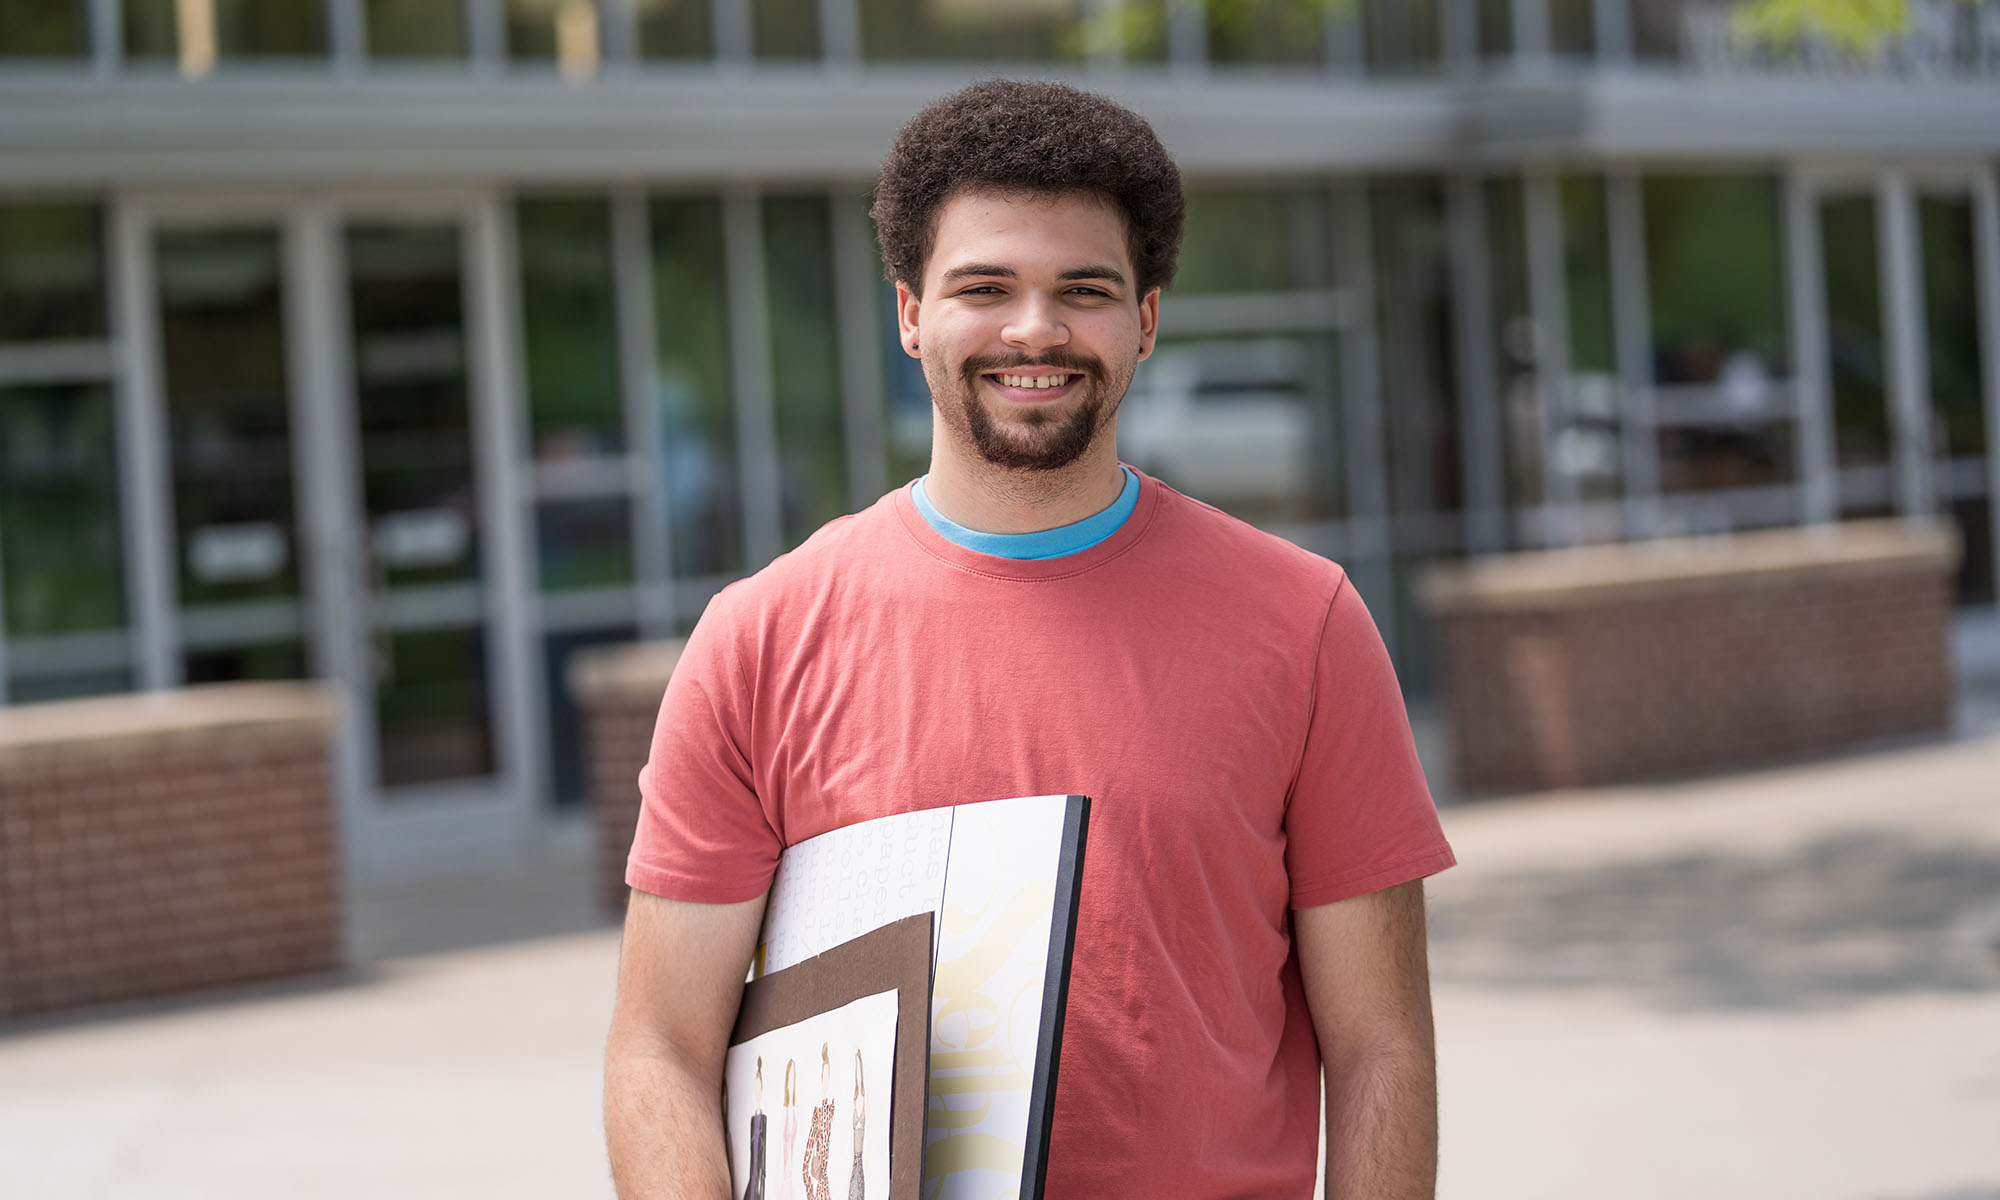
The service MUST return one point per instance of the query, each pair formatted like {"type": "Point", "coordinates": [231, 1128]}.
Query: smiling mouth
{"type": "Point", "coordinates": [1033, 379]}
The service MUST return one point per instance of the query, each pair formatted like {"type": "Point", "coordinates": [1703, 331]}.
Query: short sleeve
{"type": "Point", "coordinates": [703, 834]}
{"type": "Point", "coordinates": [1360, 817]}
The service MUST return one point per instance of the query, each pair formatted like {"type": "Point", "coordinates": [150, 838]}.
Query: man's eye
{"type": "Point", "coordinates": [1089, 291]}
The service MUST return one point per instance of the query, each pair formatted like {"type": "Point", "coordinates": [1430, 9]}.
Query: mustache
{"type": "Point", "coordinates": [1059, 357]}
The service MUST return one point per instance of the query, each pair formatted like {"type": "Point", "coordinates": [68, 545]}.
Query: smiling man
{"type": "Point", "coordinates": [1033, 617]}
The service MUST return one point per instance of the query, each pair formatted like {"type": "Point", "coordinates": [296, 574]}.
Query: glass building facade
{"type": "Point", "coordinates": [415, 346]}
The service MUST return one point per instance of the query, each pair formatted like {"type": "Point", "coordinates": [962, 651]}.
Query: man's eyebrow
{"type": "Point", "coordinates": [976, 270]}
{"type": "Point", "coordinates": [996, 271]}
{"type": "Point", "coordinates": [1094, 271]}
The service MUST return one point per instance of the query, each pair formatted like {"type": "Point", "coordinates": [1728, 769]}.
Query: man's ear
{"type": "Point", "coordinates": [1149, 322]}
{"type": "Point", "coordinates": [907, 303]}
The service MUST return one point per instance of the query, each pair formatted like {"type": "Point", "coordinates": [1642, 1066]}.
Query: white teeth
{"type": "Point", "coordinates": [1034, 381]}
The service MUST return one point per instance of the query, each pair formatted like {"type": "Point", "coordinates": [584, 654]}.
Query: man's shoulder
{"type": "Point", "coordinates": [1214, 541]}
{"type": "Point", "coordinates": [827, 560]}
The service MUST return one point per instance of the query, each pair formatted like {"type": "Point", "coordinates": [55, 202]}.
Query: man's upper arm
{"type": "Point", "coordinates": [1366, 973]}
{"type": "Point", "coordinates": [680, 976]}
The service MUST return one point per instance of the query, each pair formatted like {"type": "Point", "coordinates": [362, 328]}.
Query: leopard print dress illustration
{"type": "Point", "coordinates": [819, 1143]}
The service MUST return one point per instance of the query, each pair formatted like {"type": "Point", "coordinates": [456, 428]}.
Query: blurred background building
{"type": "Point", "coordinates": [415, 344]}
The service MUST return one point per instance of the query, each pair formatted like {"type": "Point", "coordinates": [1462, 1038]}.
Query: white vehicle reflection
{"type": "Point", "coordinates": [1225, 422]}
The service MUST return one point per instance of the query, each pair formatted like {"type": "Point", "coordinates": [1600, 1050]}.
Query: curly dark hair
{"type": "Point", "coordinates": [1046, 138]}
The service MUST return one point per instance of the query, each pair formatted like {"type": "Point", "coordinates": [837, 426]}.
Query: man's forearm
{"type": "Point", "coordinates": [1381, 1127]}
{"type": "Point", "coordinates": [663, 1124]}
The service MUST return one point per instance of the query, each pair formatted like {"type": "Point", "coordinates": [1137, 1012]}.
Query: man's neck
{"type": "Point", "coordinates": [995, 500]}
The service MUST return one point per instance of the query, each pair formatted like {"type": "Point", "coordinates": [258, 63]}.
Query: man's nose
{"type": "Point", "coordinates": [1035, 325]}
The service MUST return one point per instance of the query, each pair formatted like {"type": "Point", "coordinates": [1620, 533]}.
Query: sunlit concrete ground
{"type": "Point", "coordinates": [1783, 984]}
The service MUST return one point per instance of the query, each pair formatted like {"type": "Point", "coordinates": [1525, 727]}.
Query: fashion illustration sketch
{"type": "Point", "coordinates": [855, 1189]}
{"type": "Point", "coordinates": [791, 1125]}
{"type": "Point", "coordinates": [819, 1139]}
{"type": "Point", "coordinates": [753, 1189]}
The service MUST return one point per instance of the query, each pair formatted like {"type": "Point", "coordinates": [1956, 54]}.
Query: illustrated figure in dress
{"type": "Point", "coordinates": [819, 1139]}
{"type": "Point", "coordinates": [753, 1189]}
{"type": "Point", "coordinates": [855, 1190]}
{"type": "Point", "coordinates": [791, 1125]}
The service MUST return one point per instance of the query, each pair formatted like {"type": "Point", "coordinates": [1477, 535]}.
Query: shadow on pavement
{"type": "Point", "coordinates": [1842, 920]}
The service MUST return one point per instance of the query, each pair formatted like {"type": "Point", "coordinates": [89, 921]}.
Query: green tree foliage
{"type": "Point", "coordinates": [1857, 26]}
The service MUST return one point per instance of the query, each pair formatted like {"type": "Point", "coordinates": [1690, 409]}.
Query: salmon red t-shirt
{"type": "Point", "coordinates": [1221, 695]}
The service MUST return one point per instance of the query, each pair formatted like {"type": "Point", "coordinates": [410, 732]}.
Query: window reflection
{"type": "Point", "coordinates": [971, 31]}
{"type": "Point", "coordinates": [1400, 36]}
{"type": "Point", "coordinates": [44, 28]}
{"type": "Point", "coordinates": [222, 346]}
{"type": "Point", "coordinates": [416, 29]}
{"type": "Point", "coordinates": [1413, 301]}
{"type": "Point", "coordinates": [785, 29]}
{"type": "Point", "coordinates": [1248, 424]}
{"type": "Point", "coordinates": [675, 28]}
{"type": "Point", "coordinates": [1269, 32]}
{"type": "Point", "coordinates": [563, 32]}
{"type": "Point", "coordinates": [1948, 246]}
{"type": "Point", "coordinates": [805, 364]}
{"type": "Point", "coordinates": [60, 561]}
{"type": "Point", "coordinates": [200, 33]}
{"type": "Point", "coordinates": [569, 319]}
{"type": "Point", "coordinates": [1252, 239]}
{"type": "Point", "coordinates": [695, 396]}
{"type": "Point", "coordinates": [1713, 263]}
{"type": "Point", "coordinates": [1856, 361]}
{"type": "Point", "coordinates": [51, 272]}
{"type": "Point", "coordinates": [1588, 447]}
{"type": "Point", "coordinates": [584, 543]}
{"type": "Point", "coordinates": [1573, 28]}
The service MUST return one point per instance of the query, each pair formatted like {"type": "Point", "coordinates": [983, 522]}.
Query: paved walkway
{"type": "Point", "coordinates": [1777, 985]}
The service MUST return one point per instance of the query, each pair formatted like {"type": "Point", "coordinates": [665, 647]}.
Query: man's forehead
{"type": "Point", "coordinates": [973, 224]}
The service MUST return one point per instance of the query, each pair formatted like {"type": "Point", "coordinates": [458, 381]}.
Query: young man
{"type": "Point", "coordinates": [1031, 618]}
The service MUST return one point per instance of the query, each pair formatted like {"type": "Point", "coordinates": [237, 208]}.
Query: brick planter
{"type": "Point", "coordinates": [1612, 663]}
{"type": "Point", "coordinates": [161, 842]}
{"type": "Point", "coordinates": [619, 689]}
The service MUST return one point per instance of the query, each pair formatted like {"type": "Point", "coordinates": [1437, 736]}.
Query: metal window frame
{"type": "Point", "coordinates": [750, 364]}
{"type": "Point", "coordinates": [840, 35]}
{"type": "Point", "coordinates": [1986, 246]}
{"type": "Point", "coordinates": [107, 37]}
{"type": "Point", "coordinates": [857, 292]}
{"type": "Point", "coordinates": [385, 836]}
{"type": "Point", "coordinates": [1532, 45]}
{"type": "Point", "coordinates": [638, 358]}
{"type": "Point", "coordinates": [1632, 334]}
{"type": "Point", "coordinates": [1187, 38]}
{"type": "Point", "coordinates": [1612, 22]}
{"type": "Point", "coordinates": [146, 515]}
{"type": "Point", "coordinates": [1805, 286]}
{"type": "Point", "coordinates": [1483, 477]}
{"type": "Point", "coordinates": [1372, 544]}
{"type": "Point", "coordinates": [730, 19]}
{"type": "Point", "coordinates": [485, 36]}
{"type": "Point", "coordinates": [1548, 304]}
{"type": "Point", "coordinates": [347, 36]}
{"type": "Point", "coordinates": [1908, 353]}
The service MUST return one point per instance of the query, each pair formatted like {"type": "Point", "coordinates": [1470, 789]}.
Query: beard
{"type": "Point", "coordinates": [1032, 439]}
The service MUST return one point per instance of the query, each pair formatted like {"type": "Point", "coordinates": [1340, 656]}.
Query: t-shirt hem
{"type": "Point", "coordinates": [674, 885]}
{"type": "Point", "coordinates": [1375, 877]}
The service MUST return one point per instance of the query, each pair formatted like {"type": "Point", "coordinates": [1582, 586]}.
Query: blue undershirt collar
{"type": "Point", "coordinates": [1045, 543]}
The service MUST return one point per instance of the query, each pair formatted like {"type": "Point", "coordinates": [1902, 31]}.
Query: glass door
{"type": "Point", "coordinates": [1956, 375]}
{"type": "Point", "coordinates": [418, 483]}
{"type": "Point", "coordinates": [1905, 349]}
{"type": "Point", "coordinates": [227, 421]}
{"type": "Point", "coordinates": [1857, 353]}
{"type": "Point", "coordinates": [323, 391]}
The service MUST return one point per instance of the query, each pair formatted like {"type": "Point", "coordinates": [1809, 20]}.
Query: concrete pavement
{"type": "Point", "coordinates": [1777, 985]}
